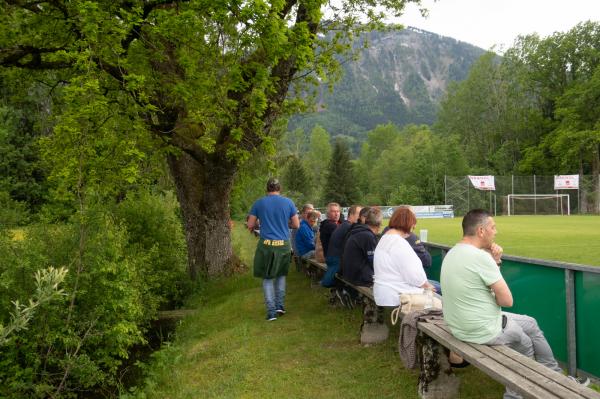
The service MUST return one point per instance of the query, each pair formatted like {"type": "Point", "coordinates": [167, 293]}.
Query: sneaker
{"type": "Point", "coordinates": [280, 312]}
{"type": "Point", "coordinates": [580, 380]}
{"type": "Point", "coordinates": [271, 316]}
{"type": "Point", "coordinates": [348, 300]}
{"type": "Point", "coordinates": [340, 296]}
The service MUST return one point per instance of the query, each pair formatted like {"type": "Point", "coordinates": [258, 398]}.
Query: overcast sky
{"type": "Point", "coordinates": [486, 23]}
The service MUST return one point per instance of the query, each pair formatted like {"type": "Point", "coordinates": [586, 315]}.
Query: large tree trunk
{"type": "Point", "coordinates": [203, 190]}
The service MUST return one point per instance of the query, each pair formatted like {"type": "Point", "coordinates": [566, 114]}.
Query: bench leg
{"type": "Point", "coordinates": [373, 330]}
{"type": "Point", "coordinates": [313, 274]}
{"type": "Point", "coordinates": [298, 263]}
{"type": "Point", "coordinates": [436, 380]}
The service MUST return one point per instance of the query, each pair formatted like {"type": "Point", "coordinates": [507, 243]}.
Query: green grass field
{"type": "Point", "coordinates": [574, 239]}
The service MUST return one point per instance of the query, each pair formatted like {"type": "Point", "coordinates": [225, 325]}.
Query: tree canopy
{"type": "Point", "coordinates": [205, 81]}
{"type": "Point", "coordinates": [340, 185]}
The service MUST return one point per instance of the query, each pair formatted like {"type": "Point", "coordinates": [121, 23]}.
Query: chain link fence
{"type": "Point", "coordinates": [459, 192]}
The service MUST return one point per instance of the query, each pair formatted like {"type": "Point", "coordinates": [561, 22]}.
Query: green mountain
{"type": "Point", "coordinates": [399, 78]}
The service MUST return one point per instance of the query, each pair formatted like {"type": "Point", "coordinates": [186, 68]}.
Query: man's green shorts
{"type": "Point", "coordinates": [272, 258]}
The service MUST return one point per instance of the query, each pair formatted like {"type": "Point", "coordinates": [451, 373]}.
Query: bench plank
{"type": "Point", "coordinates": [521, 367]}
{"type": "Point", "coordinates": [487, 364]}
{"type": "Point", "coordinates": [316, 264]}
{"type": "Point", "coordinates": [545, 371]}
{"type": "Point", "coordinates": [557, 383]}
{"type": "Point", "coordinates": [366, 291]}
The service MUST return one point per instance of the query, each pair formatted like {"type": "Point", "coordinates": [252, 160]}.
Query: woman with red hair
{"type": "Point", "coordinates": [397, 267]}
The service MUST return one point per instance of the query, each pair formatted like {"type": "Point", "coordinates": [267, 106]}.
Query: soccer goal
{"type": "Point", "coordinates": [538, 204]}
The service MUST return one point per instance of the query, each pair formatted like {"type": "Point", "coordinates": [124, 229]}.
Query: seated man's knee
{"type": "Point", "coordinates": [528, 324]}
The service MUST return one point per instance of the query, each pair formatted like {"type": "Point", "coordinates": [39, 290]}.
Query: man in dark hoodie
{"type": "Point", "coordinates": [335, 248]}
{"type": "Point", "coordinates": [360, 248]}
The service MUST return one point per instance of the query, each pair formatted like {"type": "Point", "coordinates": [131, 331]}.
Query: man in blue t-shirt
{"type": "Point", "coordinates": [273, 253]}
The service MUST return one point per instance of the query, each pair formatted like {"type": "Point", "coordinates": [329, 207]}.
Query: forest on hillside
{"type": "Point", "coordinates": [533, 111]}
{"type": "Point", "coordinates": [128, 142]}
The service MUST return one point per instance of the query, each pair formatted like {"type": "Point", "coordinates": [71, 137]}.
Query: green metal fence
{"type": "Point", "coordinates": [563, 297]}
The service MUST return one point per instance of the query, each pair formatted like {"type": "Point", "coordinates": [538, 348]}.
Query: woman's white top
{"type": "Point", "coordinates": [398, 269]}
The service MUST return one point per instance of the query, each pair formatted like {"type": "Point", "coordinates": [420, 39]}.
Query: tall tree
{"type": "Point", "coordinates": [377, 141]}
{"type": "Point", "coordinates": [341, 184]}
{"type": "Point", "coordinates": [411, 170]}
{"type": "Point", "coordinates": [317, 156]}
{"type": "Point", "coordinates": [296, 182]}
{"type": "Point", "coordinates": [21, 123]}
{"type": "Point", "coordinates": [294, 142]}
{"type": "Point", "coordinates": [484, 110]}
{"type": "Point", "coordinates": [515, 114]}
{"type": "Point", "coordinates": [208, 80]}
{"type": "Point", "coordinates": [557, 72]}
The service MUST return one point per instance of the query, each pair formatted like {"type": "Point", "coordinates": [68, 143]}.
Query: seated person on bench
{"type": "Point", "coordinates": [336, 246]}
{"type": "Point", "coordinates": [398, 268]}
{"type": "Point", "coordinates": [359, 249]}
{"type": "Point", "coordinates": [475, 291]}
{"type": "Point", "coordinates": [305, 237]}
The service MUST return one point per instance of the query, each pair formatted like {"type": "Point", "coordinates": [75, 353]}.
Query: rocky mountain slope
{"type": "Point", "coordinates": [400, 78]}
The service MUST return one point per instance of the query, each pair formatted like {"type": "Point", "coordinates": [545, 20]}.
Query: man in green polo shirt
{"type": "Point", "coordinates": [474, 292]}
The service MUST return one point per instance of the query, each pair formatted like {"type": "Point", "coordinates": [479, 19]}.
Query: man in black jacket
{"type": "Point", "coordinates": [360, 248]}
{"type": "Point", "coordinates": [336, 246]}
{"type": "Point", "coordinates": [329, 225]}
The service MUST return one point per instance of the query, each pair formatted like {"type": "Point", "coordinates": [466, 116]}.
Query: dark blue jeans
{"type": "Point", "coordinates": [333, 265]}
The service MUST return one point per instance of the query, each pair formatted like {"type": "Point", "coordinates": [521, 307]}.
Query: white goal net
{"type": "Point", "coordinates": [538, 204]}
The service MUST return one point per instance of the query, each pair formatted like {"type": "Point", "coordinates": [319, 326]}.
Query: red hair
{"type": "Point", "coordinates": [403, 219]}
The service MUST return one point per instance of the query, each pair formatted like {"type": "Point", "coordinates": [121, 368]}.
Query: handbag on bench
{"type": "Point", "coordinates": [413, 302]}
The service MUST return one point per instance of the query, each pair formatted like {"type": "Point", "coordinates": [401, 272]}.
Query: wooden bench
{"type": "Point", "coordinates": [437, 379]}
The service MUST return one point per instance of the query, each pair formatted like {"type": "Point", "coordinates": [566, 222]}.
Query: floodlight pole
{"type": "Point", "coordinates": [512, 184]}
{"type": "Point", "coordinates": [534, 199]}
{"type": "Point", "coordinates": [445, 191]}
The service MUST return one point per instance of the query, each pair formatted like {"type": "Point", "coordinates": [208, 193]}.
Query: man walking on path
{"type": "Point", "coordinates": [474, 292]}
{"type": "Point", "coordinates": [273, 251]}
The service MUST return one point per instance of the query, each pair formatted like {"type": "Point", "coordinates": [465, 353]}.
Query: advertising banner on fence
{"type": "Point", "coordinates": [483, 182]}
{"type": "Point", "coordinates": [566, 182]}
{"type": "Point", "coordinates": [422, 211]}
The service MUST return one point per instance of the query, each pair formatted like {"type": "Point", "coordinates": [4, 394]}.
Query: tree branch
{"type": "Point", "coordinates": [287, 8]}
{"type": "Point", "coordinates": [15, 57]}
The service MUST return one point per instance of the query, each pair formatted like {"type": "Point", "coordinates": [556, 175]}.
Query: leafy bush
{"type": "Point", "coordinates": [12, 213]}
{"type": "Point", "coordinates": [124, 263]}
{"type": "Point", "coordinates": [155, 232]}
